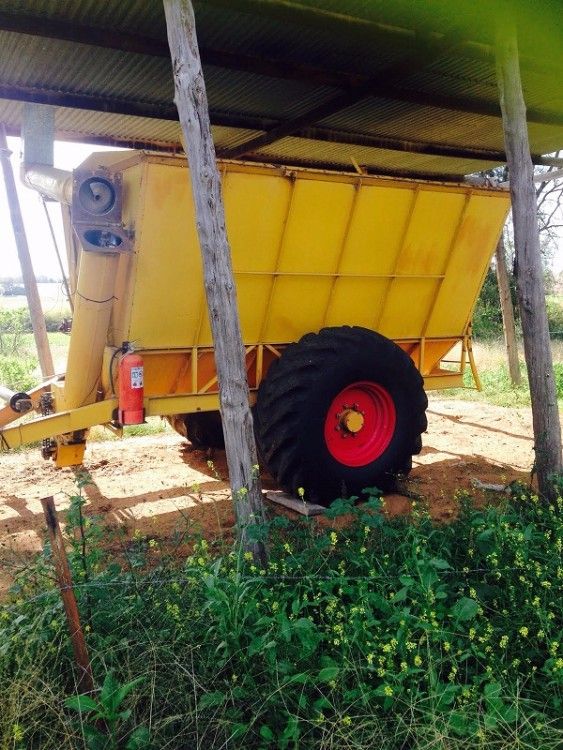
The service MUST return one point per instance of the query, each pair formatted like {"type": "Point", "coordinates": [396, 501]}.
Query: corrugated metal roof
{"type": "Point", "coordinates": [268, 62]}
{"type": "Point", "coordinates": [389, 162]}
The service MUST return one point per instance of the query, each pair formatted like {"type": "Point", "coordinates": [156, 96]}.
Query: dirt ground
{"type": "Point", "coordinates": [155, 484]}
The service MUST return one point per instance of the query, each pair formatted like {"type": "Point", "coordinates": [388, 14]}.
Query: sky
{"type": "Point", "coordinates": [67, 156]}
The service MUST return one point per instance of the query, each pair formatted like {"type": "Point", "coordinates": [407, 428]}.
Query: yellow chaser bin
{"type": "Point", "coordinates": [379, 275]}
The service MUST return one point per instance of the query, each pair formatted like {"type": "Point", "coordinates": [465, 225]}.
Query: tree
{"type": "Point", "coordinates": [529, 271]}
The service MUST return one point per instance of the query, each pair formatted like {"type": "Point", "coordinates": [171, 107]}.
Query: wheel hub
{"type": "Point", "coordinates": [350, 420]}
{"type": "Point", "coordinates": [360, 424]}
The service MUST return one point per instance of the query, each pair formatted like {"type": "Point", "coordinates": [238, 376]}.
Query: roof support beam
{"type": "Point", "coordinates": [221, 119]}
{"type": "Point", "coordinates": [273, 68]}
{"type": "Point", "coordinates": [329, 135]}
{"type": "Point", "coordinates": [51, 28]}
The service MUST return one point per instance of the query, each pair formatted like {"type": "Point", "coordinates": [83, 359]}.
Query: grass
{"type": "Point", "coordinates": [372, 633]}
{"type": "Point", "coordinates": [497, 389]}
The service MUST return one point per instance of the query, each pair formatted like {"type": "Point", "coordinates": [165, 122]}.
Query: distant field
{"type": "Point", "coordinates": [53, 299]}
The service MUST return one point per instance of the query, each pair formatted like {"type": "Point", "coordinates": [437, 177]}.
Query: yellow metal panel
{"type": "Point", "coordinates": [168, 290]}
{"type": "Point", "coordinates": [377, 231]}
{"type": "Point", "coordinates": [253, 297]}
{"type": "Point", "coordinates": [285, 229]}
{"type": "Point", "coordinates": [255, 211]}
{"type": "Point", "coordinates": [71, 454]}
{"type": "Point", "coordinates": [480, 229]}
{"type": "Point", "coordinates": [407, 306]}
{"type": "Point", "coordinates": [356, 297]}
{"type": "Point", "coordinates": [316, 227]}
{"type": "Point", "coordinates": [437, 382]}
{"type": "Point", "coordinates": [298, 305]}
{"type": "Point", "coordinates": [160, 407]}
{"type": "Point", "coordinates": [431, 229]}
{"type": "Point", "coordinates": [434, 351]}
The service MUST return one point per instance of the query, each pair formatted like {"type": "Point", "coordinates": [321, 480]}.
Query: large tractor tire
{"type": "Point", "coordinates": [203, 429]}
{"type": "Point", "coordinates": [340, 411]}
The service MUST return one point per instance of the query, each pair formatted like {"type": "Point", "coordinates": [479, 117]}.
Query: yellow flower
{"type": "Point", "coordinates": [447, 646]}
{"type": "Point", "coordinates": [333, 538]}
{"type": "Point", "coordinates": [417, 661]}
{"type": "Point", "coordinates": [346, 720]}
{"type": "Point", "coordinates": [388, 690]}
{"type": "Point", "coordinates": [503, 643]}
{"type": "Point", "coordinates": [523, 631]}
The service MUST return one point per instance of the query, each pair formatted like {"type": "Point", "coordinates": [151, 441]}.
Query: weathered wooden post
{"type": "Point", "coordinates": [529, 273]}
{"type": "Point", "coordinates": [191, 101]}
{"type": "Point", "coordinates": [29, 282]}
{"type": "Point", "coordinates": [507, 309]}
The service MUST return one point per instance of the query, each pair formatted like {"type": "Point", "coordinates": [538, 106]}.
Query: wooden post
{"type": "Point", "coordinates": [30, 284]}
{"type": "Point", "coordinates": [507, 309]}
{"type": "Point", "coordinates": [529, 273]}
{"type": "Point", "coordinates": [191, 101]}
{"type": "Point", "coordinates": [64, 579]}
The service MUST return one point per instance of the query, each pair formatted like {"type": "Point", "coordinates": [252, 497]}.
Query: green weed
{"type": "Point", "coordinates": [395, 634]}
{"type": "Point", "coordinates": [17, 373]}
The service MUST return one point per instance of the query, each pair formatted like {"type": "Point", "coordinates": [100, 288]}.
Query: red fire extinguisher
{"type": "Point", "coordinates": [131, 387]}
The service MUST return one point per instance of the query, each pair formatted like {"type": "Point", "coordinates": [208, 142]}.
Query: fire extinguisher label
{"type": "Point", "coordinates": [136, 377]}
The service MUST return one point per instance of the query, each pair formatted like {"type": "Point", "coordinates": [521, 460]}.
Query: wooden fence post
{"type": "Point", "coordinates": [529, 272]}
{"type": "Point", "coordinates": [64, 579]}
{"type": "Point", "coordinates": [191, 101]}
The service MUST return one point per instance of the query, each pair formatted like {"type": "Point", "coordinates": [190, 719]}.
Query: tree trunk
{"type": "Point", "coordinates": [529, 272]}
{"type": "Point", "coordinates": [29, 282]}
{"type": "Point", "coordinates": [191, 101]}
{"type": "Point", "coordinates": [507, 310]}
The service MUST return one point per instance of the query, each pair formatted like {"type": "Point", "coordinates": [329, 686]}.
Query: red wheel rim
{"type": "Point", "coordinates": [360, 423]}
